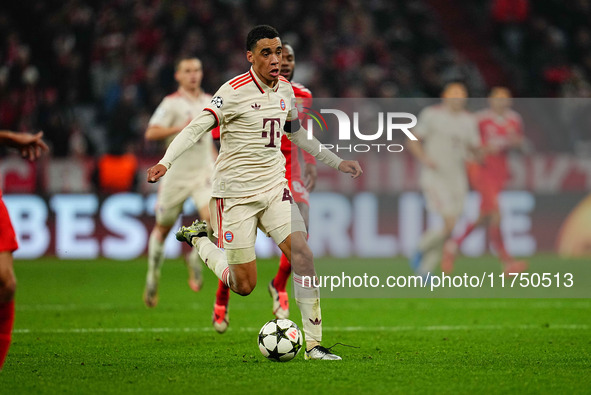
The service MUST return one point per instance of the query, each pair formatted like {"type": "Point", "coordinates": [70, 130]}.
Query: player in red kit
{"type": "Point", "coordinates": [300, 190]}
{"type": "Point", "coordinates": [30, 146]}
{"type": "Point", "coordinates": [501, 129]}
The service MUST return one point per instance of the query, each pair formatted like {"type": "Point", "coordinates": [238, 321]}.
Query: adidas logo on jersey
{"type": "Point", "coordinates": [256, 106]}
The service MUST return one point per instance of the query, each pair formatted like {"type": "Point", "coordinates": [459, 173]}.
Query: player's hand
{"type": "Point", "coordinates": [352, 167]}
{"type": "Point", "coordinates": [310, 176]}
{"type": "Point", "coordinates": [156, 172]}
{"type": "Point", "coordinates": [31, 146]}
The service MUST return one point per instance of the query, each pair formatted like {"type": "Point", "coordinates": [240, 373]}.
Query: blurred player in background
{"type": "Point", "coordinates": [189, 179]}
{"type": "Point", "coordinates": [249, 187]}
{"type": "Point", "coordinates": [501, 129]}
{"type": "Point", "coordinates": [448, 136]}
{"type": "Point", "coordinates": [300, 193]}
{"type": "Point", "coordinates": [31, 147]}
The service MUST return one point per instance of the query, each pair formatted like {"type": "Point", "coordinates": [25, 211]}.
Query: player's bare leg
{"type": "Point", "coordinates": [242, 280]}
{"type": "Point", "coordinates": [7, 290]}
{"type": "Point", "coordinates": [307, 294]}
{"type": "Point", "coordinates": [277, 286]}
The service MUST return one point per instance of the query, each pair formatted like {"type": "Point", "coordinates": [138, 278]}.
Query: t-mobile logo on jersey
{"type": "Point", "coordinates": [390, 119]}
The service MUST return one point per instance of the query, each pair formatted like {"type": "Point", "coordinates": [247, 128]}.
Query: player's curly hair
{"type": "Point", "coordinates": [258, 33]}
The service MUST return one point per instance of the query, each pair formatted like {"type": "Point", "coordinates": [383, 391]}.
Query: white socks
{"type": "Point", "coordinates": [155, 258]}
{"type": "Point", "coordinates": [431, 246]}
{"type": "Point", "coordinates": [214, 258]}
{"type": "Point", "coordinates": [432, 239]}
{"type": "Point", "coordinates": [308, 300]}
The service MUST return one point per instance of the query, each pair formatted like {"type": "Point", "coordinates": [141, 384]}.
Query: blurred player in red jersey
{"type": "Point", "coordinates": [31, 146]}
{"type": "Point", "coordinates": [300, 193]}
{"type": "Point", "coordinates": [501, 129]}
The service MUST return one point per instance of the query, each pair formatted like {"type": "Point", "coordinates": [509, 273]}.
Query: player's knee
{"type": "Point", "coordinates": [161, 231]}
{"type": "Point", "coordinates": [244, 288]}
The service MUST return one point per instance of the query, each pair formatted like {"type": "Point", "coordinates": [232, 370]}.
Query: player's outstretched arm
{"type": "Point", "coordinates": [300, 138]}
{"type": "Point", "coordinates": [312, 146]}
{"type": "Point", "coordinates": [157, 132]}
{"type": "Point", "coordinates": [202, 124]}
{"type": "Point", "coordinates": [31, 146]}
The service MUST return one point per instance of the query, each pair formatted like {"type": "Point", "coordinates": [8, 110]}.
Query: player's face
{"type": "Point", "coordinates": [266, 59]}
{"type": "Point", "coordinates": [500, 100]}
{"type": "Point", "coordinates": [287, 62]}
{"type": "Point", "coordinates": [455, 96]}
{"type": "Point", "coordinates": [189, 74]}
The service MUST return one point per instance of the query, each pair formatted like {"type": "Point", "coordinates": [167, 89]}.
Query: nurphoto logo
{"type": "Point", "coordinates": [388, 123]}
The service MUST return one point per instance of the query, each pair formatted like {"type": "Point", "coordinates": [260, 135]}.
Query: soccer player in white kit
{"type": "Point", "coordinates": [191, 177]}
{"type": "Point", "coordinates": [448, 136]}
{"type": "Point", "coordinates": [249, 187]}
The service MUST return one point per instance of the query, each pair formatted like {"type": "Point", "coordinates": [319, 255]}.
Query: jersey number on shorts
{"type": "Point", "coordinates": [275, 134]}
{"type": "Point", "coordinates": [287, 196]}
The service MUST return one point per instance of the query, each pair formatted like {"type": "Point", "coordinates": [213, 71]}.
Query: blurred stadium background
{"type": "Point", "coordinates": [90, 74]}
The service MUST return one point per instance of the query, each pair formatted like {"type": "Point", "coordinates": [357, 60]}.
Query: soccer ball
{"type": "Point", "coordinates": [280, 340]}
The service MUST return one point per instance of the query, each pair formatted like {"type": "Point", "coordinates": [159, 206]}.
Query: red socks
{"type": "Point", "coordinates": [6, 321]}
{"type": "Point", "coordinates": [466, 233]}
{"type": "Point", "coordinates": [282, 274]}
{"type": "Point", "coordinates": [223, 294]}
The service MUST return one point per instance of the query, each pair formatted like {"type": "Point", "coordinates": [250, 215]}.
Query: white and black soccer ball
{"type": "Point", "coordinates": [280, 340]}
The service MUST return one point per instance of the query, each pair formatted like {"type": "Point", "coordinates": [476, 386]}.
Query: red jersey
{"type": "Point", "coordinates": [292, 163]}
{"type": "Point", "coordinates": [496, 131]}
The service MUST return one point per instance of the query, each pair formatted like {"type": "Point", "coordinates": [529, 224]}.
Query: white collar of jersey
{"type": "Point", "coordinates": [260, 84]}
{"type": "Point", "coordinates": [187, 95]}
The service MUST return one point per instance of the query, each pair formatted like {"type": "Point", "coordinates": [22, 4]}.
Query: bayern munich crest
{"type": "Point", "coordinates": [228, 236]}
{"type": "Point", "coordinates": [282, 104]}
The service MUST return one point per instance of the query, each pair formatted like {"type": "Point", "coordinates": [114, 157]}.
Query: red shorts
{"type": "Point", "coordinates": [299, 192]}
{"type": "Point", "coordinates": [7, 236]}
{"type": "Point", "coordinates": [488, 186]}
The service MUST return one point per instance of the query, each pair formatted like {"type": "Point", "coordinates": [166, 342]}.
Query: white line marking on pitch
{"type": "Point", "coordinates": [464, 305]}
{"type": "Point", "coordinates": [332, 329]}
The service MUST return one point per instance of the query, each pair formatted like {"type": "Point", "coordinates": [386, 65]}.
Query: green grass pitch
{"type": "Point", "coordinates": [82, 328]}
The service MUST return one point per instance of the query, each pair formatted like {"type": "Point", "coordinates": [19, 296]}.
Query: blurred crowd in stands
{"type": "Point", "coordinates": [91, 73]}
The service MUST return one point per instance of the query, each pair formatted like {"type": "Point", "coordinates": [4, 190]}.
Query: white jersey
{"type": "Point", "coordinates": [177, 110]}
{"type": "Point", "coordinates": [447, 138]}
{"type": "Point", "coordinates": [251, 116]}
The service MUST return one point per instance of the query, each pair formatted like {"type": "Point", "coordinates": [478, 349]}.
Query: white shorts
{"type": "Point", "coordinates": [235, 221]}
{"type": "Point", "coordinates": [445, 197]}
{"type": "Point", "coordinates": [172, 196]}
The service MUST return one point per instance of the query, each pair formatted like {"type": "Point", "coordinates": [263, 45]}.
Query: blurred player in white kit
{"type": "Point", "coordinates": [189, 179]}
{"type": "Point", "coordinates": [448, 136]}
